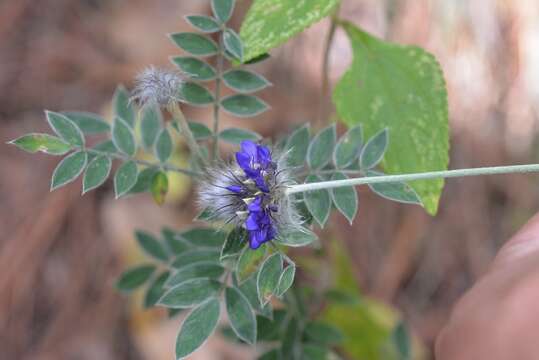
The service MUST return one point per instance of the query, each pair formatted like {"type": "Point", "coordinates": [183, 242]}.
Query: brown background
{"type": "Point", "coordinates": [60, 252]}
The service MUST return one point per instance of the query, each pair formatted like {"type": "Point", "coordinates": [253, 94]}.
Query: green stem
{"type": "Point", "coordinates": [217, 95]}
{"type": "Point", "coordinates": [411, 177]}
{"type": "Point", "coordinates": [167, 167]}
{"type": "Point", "coordinates": [325, 65]}
{"type": "Point", "coordinates": [177, 114]}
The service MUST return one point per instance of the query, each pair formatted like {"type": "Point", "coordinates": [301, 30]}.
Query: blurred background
{"type": "Point", "coordinates": [60, 253]}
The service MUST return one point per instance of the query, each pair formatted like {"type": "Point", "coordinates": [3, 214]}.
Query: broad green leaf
{"type": "Point", "coordinates": [210, 270]}
{"type": "Point", "coordinates": [144, 180]}
{"type": "Point", "coordinates": [348, 147]}
{"type": "Point", "coordinates": [272, 329]}
{"type": "Point", "coordinates": [125, 178]}
{"type": "Point", "coordinates": [150, 124]}
{"type": "Point", "coordinates": [134, 277]}
{"type": "Point", "coordinates": [163, 146]}
{"type": "Point", "coordinates": [199, 130]}
{"type": "Point", "coordinates": [205, 24]}
{"type": "Point", "coordinates": [87, 122]}
{"type": "Point", "coordinates": [192, 256]}
{"type": "Point", "coordinates": [123, 108]}
{"type": "Point", "coordinates": [248, 288]}
{"type": "Point", "coordinates": [204, 237]}
{"type": "Point", "coordinates": [286, 279]}
{"type": "Point", "coordinates": [197, 327]}
{"type": "Point", "coordinates": [318, 202]}
{"type": "Point", "coordinates": [233, 44]}
{"type": "Point", "coordinates": [270, 23]}
{"type": "Point", "coordinates": [222, 9]}
{"type": "Point", "coordinates": [297, 146]}
{"type": "Point", "coordinates": [123, 137]}
{"type": "Point", "coordinates": [234, 243]}
{"type": "Point", "coordinates": [45, 143]}
{"type": "Point", "coordinates": [243, 105]}
{"type": "Point", "coordinates": [159, 187]}
{"type": "Point", "coordinates": [401, 88]}
{"type": "Point", "coordinates": [296, 238]}
{"type": "Point", "coordinates": [244, 81]}
{"type": "Point", "coordinates": [156, 290]}
{"type": "Point", "coordinates": [68, 169]}
{"type": "Point", "coordinates": [323, 333]}
{"type": "Point", "coordinates": [96, 173]}
{"type": "Point", "coordinates": [194, 68]}
{"type": "Point", "coordinates": [236, 135]}
{"type": "Point", "coordinates": [321, 148]}
{"type": "Point", "coordinates": [345, 198]}
{"type": "Point", "coordinates": [398, 191]}
{"type": "Point", "coordinates": [151, 245]}
{"type": "Point", "coordinates": [401, 340]}
{"type": "Point", "coordinates": [248, 262]}
{"type": "Point", "coordinates": [195, 94]}
{"type": "Point", "coordinates": [374, 149]}
{"type": "Point", "coordinates": [240, 314]}
{"type": "Point", "coordinates": [195, 44]}
{"type": "Point", "coordinates": [290, 347]}
{"type": "Point", "coordinates": [190, 293]}
{"type": "Point", "coordinates": [267, 279]}
{"type": "Point", "coordinates": [65, 128]}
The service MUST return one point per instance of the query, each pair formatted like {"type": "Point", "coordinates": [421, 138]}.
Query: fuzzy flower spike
{"type": "Point", "coordinates": [157, 86]}
{"type": "Point", "coordinates": [250, 193]}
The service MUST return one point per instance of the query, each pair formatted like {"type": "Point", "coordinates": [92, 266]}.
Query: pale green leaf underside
{"type": "Point", "coordinates": [401, 88]}
{"type": "Point", "coordinates": [270, 23]}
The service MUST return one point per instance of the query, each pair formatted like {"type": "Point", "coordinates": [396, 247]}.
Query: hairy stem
{"type": "Point", "coordinates": [217, 95]}
{"type": "Point", "coordinates": [167, 167]}
{"type": "Point", "coordinates": [177, 114]}
{"type": "Point", "coordinates": [411, 177]}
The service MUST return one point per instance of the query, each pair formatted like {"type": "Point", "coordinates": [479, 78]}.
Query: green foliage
{"type": "Point", "coordinates": [222, 9]}
{"type": "Point", "coordinates": [286, 279]}
{"type": "Point", "coordinates": [87, 122]}
{"type": "Point", "coordinates": [65, 128]}
{"type": "Point", "coordinates": [401, 88]}
{"type": "Point", "coordinates": [195, 44]}
{"type": "Point", "coordinates": [233, 44]}
{"type": "Point", "coordinates": [243, 105]}
{"type": "Point", "coordinates": [159, 187]}
{"type": "Point", "coordinates": [45, 143]}
{"type": "Point", "coordinates": [244, 81]}
{"type": "Point", "coordinates": [125, 178]}
{"type": "Point", "coordinates": [150, 123]}
{"type": "Point", "coordinates": [122, 107]}
{"type": "Point", "coordinates": [321, 148]}
{"type": "Point", "coordinates": [156, 290]}
{"type": "Point", "coordinates": [345, 198]}
{"type": "Point", "coordinates": [242, 318]}
{"type": "Point", "coordinates": [236, 135]}
{"type": "Point", "coordinates": [348, 147]}
{"type": "Point", "coordinates": [197, 327]}
{"type": "Point", "coordinates": [151, 245]}
{"type": "Point", "coordinates": [69, 169]}
{"type": "Point", "coordinates": [135, 277]}
{"type": "Point", "coordinates": [249, 262]}
{"type": "Point", "coordinates": [267, 279]}
{"type": "Point", "coordinates": [123, 137]}
{"type": "Point", "coordinates": [195, 68]}
{"type": "Point", "coordinates": [203, 23]}
{"type": "Point", "coordinates": [297, 238]}
{"type": "Point", "coordinates": [200, 269]}
{"type": "Point", "coordinates": [195, 94]}
{"type": "Point", "coordinates": [96, 173]}
{"type": "Point", "coordinates": [374, 150]}
{"type": "Point", "coordinates": [190, 293]}
{"type": "Point", "coordinates": [200, 131]}
{"type": "Point", "coordinates": [163, 146]}
{"type": "Point", "coordinates": [270, 23]}
{"type": "Point", "coordinates": [297, 146]}
{"type": "Point", "coordinates": [396, 191]}
{"type": "Point", "coordinates": [318, 202]}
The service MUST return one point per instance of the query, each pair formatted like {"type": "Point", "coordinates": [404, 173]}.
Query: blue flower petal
{"type": "Point", "coordinates": [235, 188]}
{"type": "Point", "coordinates": [251, 223]}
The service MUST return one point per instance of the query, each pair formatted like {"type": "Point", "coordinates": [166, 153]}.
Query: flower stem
{"type": "Point", "coordinates": [177, 114]}
{"type": "Point", "coordinates": [217, 95]}
{"type": "Point", "coordinates": [167, 167]}
{"type": "Point", "coordinates": [411, 177]}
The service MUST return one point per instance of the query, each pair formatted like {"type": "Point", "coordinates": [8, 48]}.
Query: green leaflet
{"type": "Point", "coordinates": [401, 88]}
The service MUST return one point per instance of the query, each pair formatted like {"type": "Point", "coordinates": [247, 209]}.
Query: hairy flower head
{"type": "Point", "coordinates": [250, 193]}
{"type": "Point", "coordinates": [157, 86]}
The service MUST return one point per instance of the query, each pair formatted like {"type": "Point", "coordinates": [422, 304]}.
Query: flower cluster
{"type": "Point", "coordinates": [250, 193]}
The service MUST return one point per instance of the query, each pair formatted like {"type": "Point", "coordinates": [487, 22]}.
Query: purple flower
{"type": "Point", "coordinates": [250, 193]}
